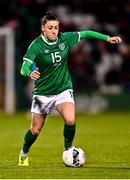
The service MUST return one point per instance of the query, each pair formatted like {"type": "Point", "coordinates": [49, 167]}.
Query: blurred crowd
{"type": "Point", "coordinates": [94, 65]}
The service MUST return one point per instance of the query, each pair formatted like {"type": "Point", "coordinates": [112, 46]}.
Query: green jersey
{"type": "Point", "coordinates": [51, 59]}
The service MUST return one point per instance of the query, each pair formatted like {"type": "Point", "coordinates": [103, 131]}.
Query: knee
{"type": "Point", "coordinates": [35, 131]}
{"type": "Point", "coordinates": [70, 122]}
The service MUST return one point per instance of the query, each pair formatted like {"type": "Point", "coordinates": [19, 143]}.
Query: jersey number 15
{"type": "Point", "coordinates": [56, 57]}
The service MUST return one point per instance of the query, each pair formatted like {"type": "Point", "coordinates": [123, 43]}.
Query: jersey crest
{"type": "Point", "coordinates": [62, 46]}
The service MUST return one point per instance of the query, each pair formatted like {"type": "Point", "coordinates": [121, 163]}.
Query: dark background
{"type": "Point", "coordinates": [94, 65]}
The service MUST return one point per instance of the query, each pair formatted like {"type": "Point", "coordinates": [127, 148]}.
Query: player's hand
{"type": "Point", "coordinates": [35, 75]}
{"type": "Point", "coordinates": [114, 40]}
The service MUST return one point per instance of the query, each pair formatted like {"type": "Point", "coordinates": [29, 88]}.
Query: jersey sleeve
{"type": "Point", "coordinates": [31, 53]}
{"type": "Point", "coordinates": [28, 60]}
{"type": "Point", "coordinates": [93, 35]}
{"type": "Point", "coordinates": [26, 68]}
{"type": "Point", "coordinates": [72, 38]}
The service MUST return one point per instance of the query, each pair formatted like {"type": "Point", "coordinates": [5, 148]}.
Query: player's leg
{"type": "Point", "coordinates": [41, 106]}
{"type": "Point", "coordinates": [67, 111]}
{"type": "Point", "coordinates": [30, 136]}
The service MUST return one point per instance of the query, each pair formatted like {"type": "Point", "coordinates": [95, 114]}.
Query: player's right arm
{"type": "Point", "coordinates": [27, 63]}
{"type": "Point", "coordinates": [25, 71]}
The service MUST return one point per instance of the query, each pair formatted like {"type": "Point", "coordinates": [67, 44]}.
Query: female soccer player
{"type": "Point", "coordinates": [53, 86]}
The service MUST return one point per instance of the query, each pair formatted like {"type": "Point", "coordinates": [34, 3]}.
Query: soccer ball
{"type": "Point", "coordinates": [74, 157]}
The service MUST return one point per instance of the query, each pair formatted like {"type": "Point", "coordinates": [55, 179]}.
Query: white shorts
{"type": "Point", "coordinates": [44, 104]}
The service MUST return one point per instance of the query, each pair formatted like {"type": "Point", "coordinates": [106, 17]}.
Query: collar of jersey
{"type": "Point", "coordinates": [50, 43]}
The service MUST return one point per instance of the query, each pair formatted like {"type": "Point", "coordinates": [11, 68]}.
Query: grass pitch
{"type": "Point", "coordinates": [104, 137]}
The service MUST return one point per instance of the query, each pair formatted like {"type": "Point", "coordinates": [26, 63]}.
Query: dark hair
{"type": "Point", "coordinates": [50, 15]}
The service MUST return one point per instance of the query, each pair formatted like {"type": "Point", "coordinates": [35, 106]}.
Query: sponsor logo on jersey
{"type": "Point", "coordinates": [74, 33]}
{"type": "Point", "coordinates": [62, 46]}
{"type": "Point", "coordinates": [46, 51]}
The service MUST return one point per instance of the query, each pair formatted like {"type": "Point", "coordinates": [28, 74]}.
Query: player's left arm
{"type": "Point", "coordinates": [114, 40]}
{"type": "Point", "coordinates": [99, 36]}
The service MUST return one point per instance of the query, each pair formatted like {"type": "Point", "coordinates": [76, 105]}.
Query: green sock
{"type": "Point", "coordinates": [69, 133]}
{"type": "Point", "coordinates": [29, 139]}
